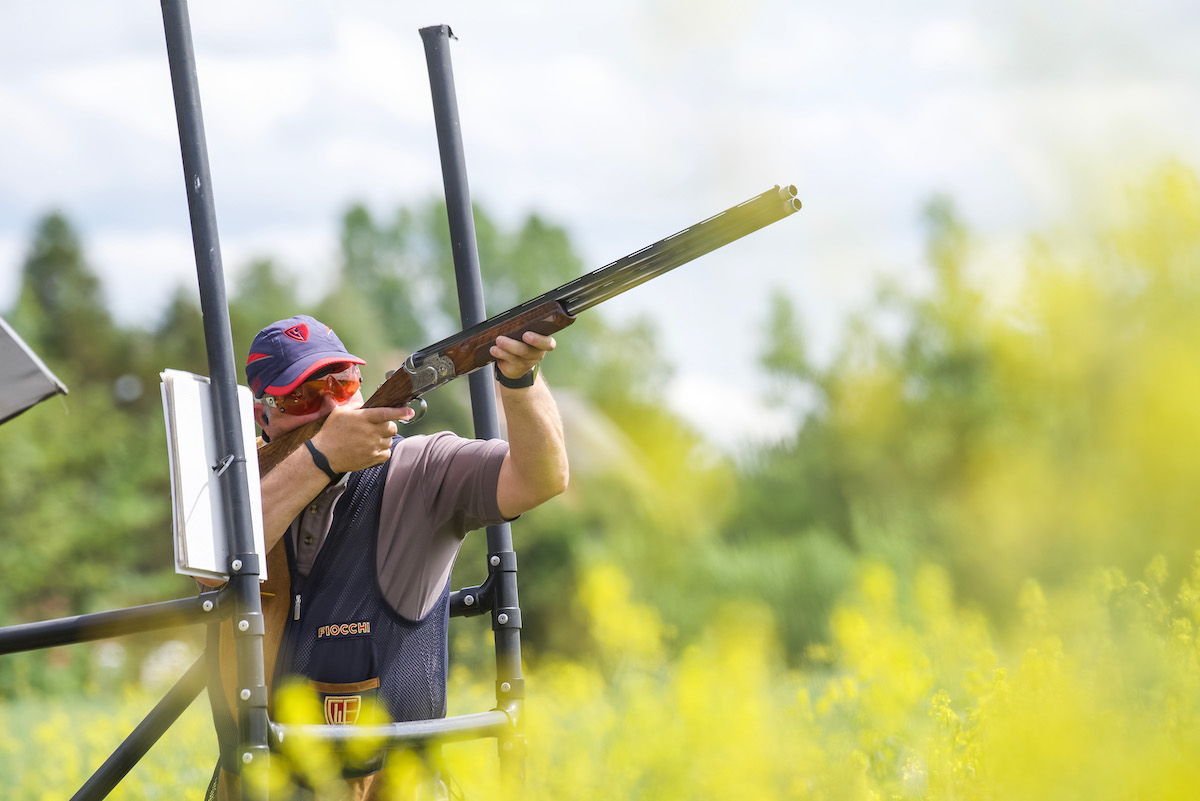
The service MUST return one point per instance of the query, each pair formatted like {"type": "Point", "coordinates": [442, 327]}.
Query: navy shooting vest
{"type": "Point", "coordinates": [345, 638]}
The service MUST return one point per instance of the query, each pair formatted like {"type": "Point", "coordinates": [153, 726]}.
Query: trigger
{"type": "Point", "coordinates": [418, 411]}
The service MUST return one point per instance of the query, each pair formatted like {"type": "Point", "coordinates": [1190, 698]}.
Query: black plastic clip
{"type": "Point", "coordinates": [249, 625]}
{"type": "Point", "coordinates": [244, 563]}
{"type": "Point", "coordinates": [513, 746]}
{"type": "Point", "coordinates": [470, 601]}
{"type": "Point", "coordinates": [509, 689]}
{"type": "Point", "coordinates": [209, 601]}
{"type": "Point", "coordinates": [502, 562]}
{"type": "Point", "coordinates": [506, 617]}
{"type": "Point", "coordinates": [253, 697]}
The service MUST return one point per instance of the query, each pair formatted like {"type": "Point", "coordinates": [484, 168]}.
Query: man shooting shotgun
{"type": "Point", "coordinates": [362, 526]}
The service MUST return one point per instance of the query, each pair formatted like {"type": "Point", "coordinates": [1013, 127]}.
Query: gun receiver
{"type": "Point", "coordinates": [468, 350]}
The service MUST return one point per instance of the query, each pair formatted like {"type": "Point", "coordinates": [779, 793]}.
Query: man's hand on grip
{"type": "Point", "coordinates": [355, 438]}
{"type": "Point", "coordinates": [516, 357]}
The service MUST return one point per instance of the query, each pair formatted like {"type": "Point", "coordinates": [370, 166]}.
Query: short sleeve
{"type": "Point", "coordinates": [439, 487]}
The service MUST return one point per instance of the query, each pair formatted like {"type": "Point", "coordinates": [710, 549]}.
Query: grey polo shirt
{"type": "Point", "coordinates": [439, 487]}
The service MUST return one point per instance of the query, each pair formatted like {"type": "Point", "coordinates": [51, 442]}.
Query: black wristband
{"type": "Point", "coordinates": [320, 461]}
{"type": "Point", "coordinates": [517, 383]}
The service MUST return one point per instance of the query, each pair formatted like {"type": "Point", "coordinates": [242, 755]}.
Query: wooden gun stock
{"type": "Point", "coordinates": [474, 351]}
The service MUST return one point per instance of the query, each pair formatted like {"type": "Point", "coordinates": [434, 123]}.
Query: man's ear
{"type": "Point", "coordinates": [260, 415]}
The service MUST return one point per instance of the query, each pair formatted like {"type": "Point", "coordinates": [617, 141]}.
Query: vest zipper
{"type": "Point", "coordinates": [296, 613]}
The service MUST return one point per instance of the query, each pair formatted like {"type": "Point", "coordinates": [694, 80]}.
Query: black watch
{"type": "Point", "coordinates": [523, 382]}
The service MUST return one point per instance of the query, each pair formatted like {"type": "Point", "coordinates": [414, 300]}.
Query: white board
{"type": "Point", "coordinates": [197, 498]}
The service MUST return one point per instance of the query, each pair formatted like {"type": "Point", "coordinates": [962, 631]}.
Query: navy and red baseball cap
{"type": "Point", "coordinates": [289, 351]}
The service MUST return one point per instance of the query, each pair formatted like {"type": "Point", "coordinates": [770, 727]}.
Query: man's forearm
{"type": "Point", "coordinates": [535, 469]}
{"type": "Point", "coordinates": [286, 490]}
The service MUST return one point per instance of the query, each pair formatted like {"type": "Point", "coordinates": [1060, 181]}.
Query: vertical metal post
{"type": "Point", "coordinates": [506, 617]}
{"type": "Point", "coordinates": [244, 568]}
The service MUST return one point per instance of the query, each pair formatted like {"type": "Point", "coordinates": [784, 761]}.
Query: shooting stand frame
{"type": "Point", "coordinates": [239, 598]}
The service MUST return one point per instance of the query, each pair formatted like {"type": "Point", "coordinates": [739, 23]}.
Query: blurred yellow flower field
{"type": "Point", "coordinates": [50, 746]}
{"type": "Point", "coordinates": [1094, 694]}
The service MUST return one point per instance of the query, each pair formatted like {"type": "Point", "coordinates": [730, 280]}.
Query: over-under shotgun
{"type": "Point", "coordinates": [468, 350]}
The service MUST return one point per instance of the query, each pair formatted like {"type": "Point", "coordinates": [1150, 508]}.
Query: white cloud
{"type": "Point", "coordinates": [375, 66]}
{"type": "Point", "coordinates": [127, 92]}
{"type": "Point", "coordinates": [953, 46]}
{"type": "Point", "coordinates": [29, 126]}
{"type": "Point", "coordinates": [731, 416]}
{"type": "Point", "coordinates": [140, 269]}
{"type": "Point", "coordinates": [253, 99]}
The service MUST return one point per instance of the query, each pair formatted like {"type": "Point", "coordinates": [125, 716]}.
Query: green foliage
{"type": "Point", "coordinates": [1057, 423]}
{"type": "Point", "coordinates": [60, 306]}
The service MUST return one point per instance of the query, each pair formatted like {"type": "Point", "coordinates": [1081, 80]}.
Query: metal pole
{"type": "Point", "coordinates": [100, 625]}
{"type": "Point", "coordinates": [502, 564]}
{"type": "Point", "coordinates": [147, 733]}
{"type": "Point", "coordinates": [244, 567]}
{"type": "Point", "coordinates": [458, 210]}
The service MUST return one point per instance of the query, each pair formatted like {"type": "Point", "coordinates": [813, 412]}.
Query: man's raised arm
{"type": "Point", "coordinates": [535, 468]}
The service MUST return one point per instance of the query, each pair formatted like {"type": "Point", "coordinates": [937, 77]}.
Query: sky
{"type": "Point", "coordinates": [623, 122]}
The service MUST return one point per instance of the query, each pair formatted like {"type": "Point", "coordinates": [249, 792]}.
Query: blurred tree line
{"type": "Point", "coordinates": [1039, 419]}
{"type": "Point", "coordinates": [1035, 432]}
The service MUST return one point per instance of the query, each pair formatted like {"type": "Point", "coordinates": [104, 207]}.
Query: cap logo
{"type": "Point", "coordinates": [298, 332]}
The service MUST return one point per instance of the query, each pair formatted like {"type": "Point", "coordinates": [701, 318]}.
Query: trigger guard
{"type": "Point", "coordinates": [418, 411]}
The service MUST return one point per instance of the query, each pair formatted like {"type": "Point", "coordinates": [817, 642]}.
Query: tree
{"type": "Point", "coordinates": [60, 306]}
{"type": "Point", "coordinates": [83, 487]}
